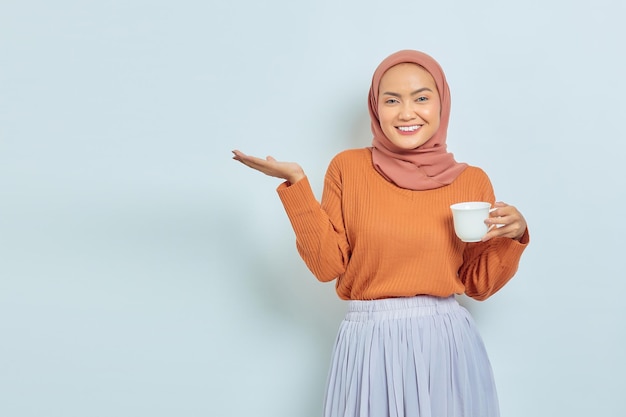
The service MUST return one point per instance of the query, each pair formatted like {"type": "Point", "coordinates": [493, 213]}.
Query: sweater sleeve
{"type": "Point", "coordinates": [320, 236]}
{"type": "Point", "coordinates": [488, 266]}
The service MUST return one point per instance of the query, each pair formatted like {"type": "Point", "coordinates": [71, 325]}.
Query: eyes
{"type": "Point", "coordinates": [420, 99]}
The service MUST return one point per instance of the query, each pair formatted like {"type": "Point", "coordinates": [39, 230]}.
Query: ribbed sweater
{"type": "Point", "coordinates": [382, 241]}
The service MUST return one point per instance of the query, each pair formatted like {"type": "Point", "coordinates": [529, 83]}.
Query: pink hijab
{"type": "Point", "coordinates": [429, 166]}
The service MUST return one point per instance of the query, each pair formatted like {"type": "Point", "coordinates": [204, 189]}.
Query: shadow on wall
{"type": "Point", "coordinates": [270, 282]}
{"type": "Point", "coordinates": [360, 134]}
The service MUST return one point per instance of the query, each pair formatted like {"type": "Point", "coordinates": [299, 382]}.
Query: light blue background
{"type": "Point", "coordinates": [145, 273]}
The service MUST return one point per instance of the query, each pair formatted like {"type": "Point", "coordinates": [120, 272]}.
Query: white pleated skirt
{"type": "Point", "coordinates": [410, 357]}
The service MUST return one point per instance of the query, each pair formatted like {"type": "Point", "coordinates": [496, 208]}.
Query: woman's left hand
{"type": "Point", "coordinates": [505, 221]}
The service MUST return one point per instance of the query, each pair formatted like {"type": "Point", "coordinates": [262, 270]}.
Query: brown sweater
{"type": "Point", "coordinates": [381, 241]}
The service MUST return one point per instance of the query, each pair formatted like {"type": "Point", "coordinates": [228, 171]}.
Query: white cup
{"type": "Point", "coordinates": [469, 220]}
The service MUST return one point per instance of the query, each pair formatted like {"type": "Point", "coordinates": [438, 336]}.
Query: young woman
{"type": "Point", "coordinates": [384, 232]}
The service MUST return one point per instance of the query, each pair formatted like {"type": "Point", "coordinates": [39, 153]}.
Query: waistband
{"type": "Point", "coordinates": [401, 307]}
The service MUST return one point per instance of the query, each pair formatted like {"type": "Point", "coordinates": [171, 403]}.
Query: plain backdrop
{"type": "Point", "coordinates": [145, 273]}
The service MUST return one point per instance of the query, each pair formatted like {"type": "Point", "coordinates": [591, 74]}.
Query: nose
{"type": "Point", "coordinates": [407, 112]}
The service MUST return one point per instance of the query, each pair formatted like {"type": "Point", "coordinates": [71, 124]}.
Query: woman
{"type": "Point", "coordinates": [384, 231]}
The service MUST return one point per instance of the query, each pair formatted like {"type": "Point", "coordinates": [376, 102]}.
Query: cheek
{"type": "Point", "coordinates": [384, 117]}
{"type": "Point", "coordinates": [435, 119]}
{"type": "Point", "coordinates": [386, 125]}
{"type": "Point", "coordinates": [437, 113]}
{"type": "Point", "coordinates": [433, 116]}
{"type": "Point", "coordinates": [381, 114]}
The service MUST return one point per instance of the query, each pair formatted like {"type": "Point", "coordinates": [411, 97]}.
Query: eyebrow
{"type": "Point", "coordinates": [388, 93]}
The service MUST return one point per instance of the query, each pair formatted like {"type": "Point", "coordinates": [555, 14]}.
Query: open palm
{"type": "Point", "coordinates": [289, 171]}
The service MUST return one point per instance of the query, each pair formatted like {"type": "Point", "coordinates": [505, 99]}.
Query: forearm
{"type": "Point", "coordinates": [318, 242]}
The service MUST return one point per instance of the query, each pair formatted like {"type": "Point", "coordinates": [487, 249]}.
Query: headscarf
{"type": "Point", "coordinates": [430, 165]}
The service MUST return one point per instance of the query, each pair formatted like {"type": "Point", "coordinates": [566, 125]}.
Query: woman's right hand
{"type": "Point", "coordinates": [289, 171]}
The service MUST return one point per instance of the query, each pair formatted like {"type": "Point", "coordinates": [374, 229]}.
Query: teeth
{"type": "Point", "coordinates": [408, 128]}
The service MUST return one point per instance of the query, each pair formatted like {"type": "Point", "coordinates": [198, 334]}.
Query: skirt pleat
{"type": "Point", "coordinates": [409, 357]}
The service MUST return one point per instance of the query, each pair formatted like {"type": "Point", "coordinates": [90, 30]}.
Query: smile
{"type": "Point", "coordinates": [408, 128]}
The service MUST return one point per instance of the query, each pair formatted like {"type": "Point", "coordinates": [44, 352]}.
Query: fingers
{"type": "Point", "coordinates": [289, 171]}
{"type": "Point", "coordinates": [505, 221]}
{"type": "Point", "coordinates": [237, 154]}
{"type": "Point", "coordinates": [500, 208]}
{"type": "Point", "coordinates": [241, 157]}
{"type": "Point", "coordinates": [263, 165]}
{"type": "Point", "coordinates": [513, 231]}
{"type": "Point", "coordinates": [252, 161]}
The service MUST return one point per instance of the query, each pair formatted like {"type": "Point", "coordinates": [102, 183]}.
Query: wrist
{"type": "Point", "coordinates": [295, 178]}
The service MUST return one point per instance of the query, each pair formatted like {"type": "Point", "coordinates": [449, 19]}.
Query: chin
{"type": "Point", "coordinates": [407, 146]}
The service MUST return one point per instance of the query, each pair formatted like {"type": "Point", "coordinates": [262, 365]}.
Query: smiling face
{"type": "Point", "coordinates": [408, 105]}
